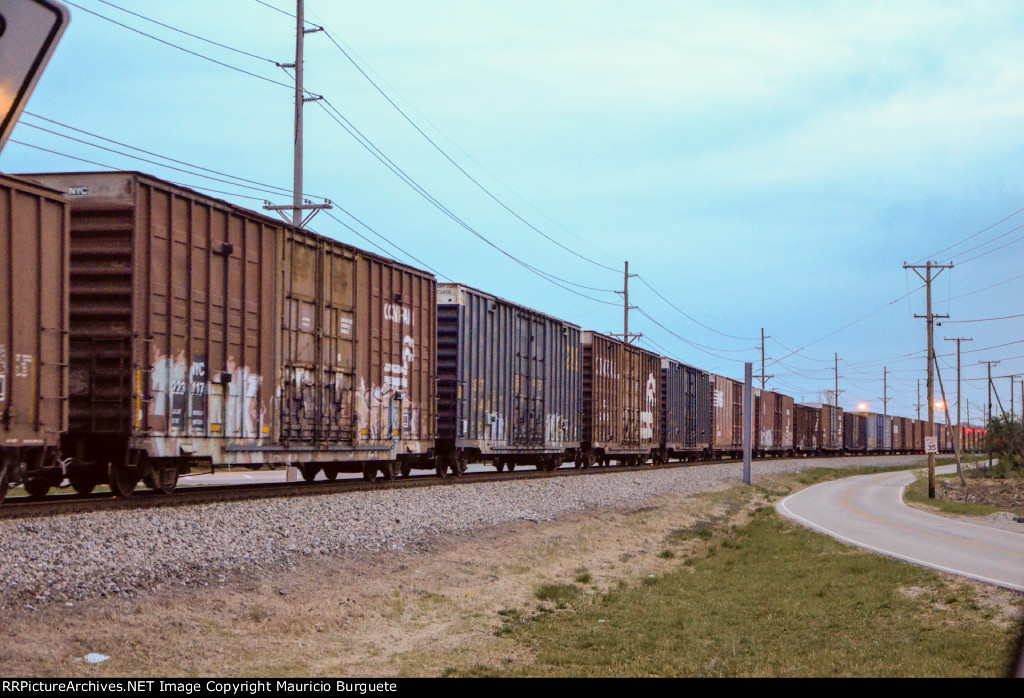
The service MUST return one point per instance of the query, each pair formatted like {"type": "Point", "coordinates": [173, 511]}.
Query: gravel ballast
{"type": "Point", "coordinates": [85, 556]}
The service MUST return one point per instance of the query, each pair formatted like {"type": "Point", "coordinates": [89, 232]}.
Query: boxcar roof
{"type": "Point", "coordinates": [216, 203]}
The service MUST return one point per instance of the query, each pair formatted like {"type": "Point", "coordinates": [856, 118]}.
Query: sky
{"type": "Point", "coordinates": [759, 164]}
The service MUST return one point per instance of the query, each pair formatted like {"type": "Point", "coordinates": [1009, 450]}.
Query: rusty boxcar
{"type": "Point", "coordinates": [509, 383]}
{"type": "Point", "coordinates": [621, 401]}
{"type": "Point", "coordinates": [685, 411]}
{"type": "Point", "coordinates": [202, 332]}
{"type": "Point", "coordinates": [855, 432]}
{"type": "Point", "coordinates": [33, 334]}
{"type": "Point", "coordinates": [726, 416]}
{"type": "Point", "coordinates": [806, 428]}
{"type": "Point", "coordinates": [773, 423]}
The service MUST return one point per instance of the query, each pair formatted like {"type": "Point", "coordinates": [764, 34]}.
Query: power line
{"type": "Point", "coordinates": [368, 144]}
{"type": "Point", "coordinates": [181, 48]}
{"type": "Point", "coordinates": [989, 319]}
{"type": "Point", "coordinates": [182, 31]}
{"type": "Point", "coordinates": [457, 166]}
{"type": "Point", "coordinates": [687, 315]}
{"type": "Point", "coordinates": [972, 236]}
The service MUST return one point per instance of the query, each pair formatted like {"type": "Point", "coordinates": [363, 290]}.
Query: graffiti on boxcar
{"type": "Point", "coordinates": [606, 367]}
{"type": "Point", "coordinates": [647, 416]}
{"type": "Point", "coordinates": [382, 410]}
{"type": "Point", "coordinates": [181, 394]}
{"type": "Point", "coordinates": [495, 426]}
{"type": "Point", "coordinates": [556, 428]}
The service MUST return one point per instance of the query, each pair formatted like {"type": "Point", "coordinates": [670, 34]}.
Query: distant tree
{"type": "Point", "coordinates": [1006, 442]}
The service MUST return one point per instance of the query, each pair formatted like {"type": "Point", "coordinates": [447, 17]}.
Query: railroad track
{"type": "Point", "coordinates": [26, 508]}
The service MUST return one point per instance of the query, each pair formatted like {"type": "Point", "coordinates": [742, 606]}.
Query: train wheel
{"type": "Point", "coordinates": [577, 462]}
{"type": "Point", "coordinates": [82, 482]}
{"type": "Point", "coordinates": [370, 472]}
{"type": "Point", "coordinates": [460, 464]}
{"type": "Point", "coordinates": [499, 464]}
{"type": "Point", "coordinates": [442, 467]}
{"type": "Point", "coordinates": [511, 465]}
{"type": "Point", "coordinates": [389, 470]}
{"type": "Point", "coordinates": [167, 479]}
{"type": "Point", "coordinates": [331, 473]}
{"type": "Point", "coordinates": [37, 487]}
{"type": "Point", "coordinates": [122, 479]}
{"type": "Point", "coordinates": [406, 470]}
{"type": "Point", "coordinates": [309, 472]}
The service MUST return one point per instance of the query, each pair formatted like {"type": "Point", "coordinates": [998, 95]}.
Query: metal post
{"type": "Point", "coordinates": [300, 35]}
{"type": "Point", "coordinates": [748, 409]}
{"type": "Point", "coordinates": [625, 303]}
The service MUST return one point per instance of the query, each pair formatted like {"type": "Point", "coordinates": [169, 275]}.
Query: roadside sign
{"type": "Point", "coordinates": [29, 32]}
{"type": "Point", "coordinates": [931, 444]}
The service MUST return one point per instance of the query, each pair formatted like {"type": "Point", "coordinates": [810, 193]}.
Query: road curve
{"type": "Point", "coordinates": [868, 511]}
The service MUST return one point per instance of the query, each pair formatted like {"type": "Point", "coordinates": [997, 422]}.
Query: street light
{"type": "Point", "coordinates": [863, 407]}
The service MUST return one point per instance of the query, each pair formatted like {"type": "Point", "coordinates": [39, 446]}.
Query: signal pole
{"type": "Point", "coordinates": [958, 340]}
{"type": "Point", "coordinates": [929, 431]}
{"type": "Point", "coordinates": [626, 307]}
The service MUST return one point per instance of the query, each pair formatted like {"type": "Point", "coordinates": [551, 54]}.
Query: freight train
{"type": "Point", "coordinates": [147, 330]}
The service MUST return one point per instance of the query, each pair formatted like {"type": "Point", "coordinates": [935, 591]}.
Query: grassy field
{"type": "Point", "coordinates": [764, 598]}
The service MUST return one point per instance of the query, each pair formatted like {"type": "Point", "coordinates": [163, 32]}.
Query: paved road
{"type": "Point", "coordinates": [868, 511]}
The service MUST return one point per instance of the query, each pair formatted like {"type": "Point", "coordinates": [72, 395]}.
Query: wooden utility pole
{"type": "Point", "coordinates": [885, 391]}
{"type": "Point", "coordinates": [929, 431]}
{"type": "Point", "coordinates": [958, 340]}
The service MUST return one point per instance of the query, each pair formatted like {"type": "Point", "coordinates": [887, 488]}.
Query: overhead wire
{"type": "Point", "coordinates": [551, 278]}
{"type": "Point", "coordinates": [181, 48]}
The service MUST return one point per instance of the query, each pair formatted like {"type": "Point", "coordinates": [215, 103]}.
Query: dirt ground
{"type": "Point", "coordinates": [417, 613]}
{"type": "Point", "coordinates": [1004, 493]}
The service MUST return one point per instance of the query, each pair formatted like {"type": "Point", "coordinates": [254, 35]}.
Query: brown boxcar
{"type": "Point", "coordinates": [621, 401]}
{"type": "Point", "coordinates": [33, 334]}
{"type": "Point", "coordinates": [855, 432]}
{"type": "Point", "coordinates": [773, 423]}
{"type": "Point", "coordinates": [202, 332]}
{"type": "Point", "coordinates": [726, 416]}
{"type": "Point", "coordinates": [510, 383]}
{"type": "Point", "coordinates": [806, 428]}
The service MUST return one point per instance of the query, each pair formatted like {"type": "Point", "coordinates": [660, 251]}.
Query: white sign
{"type": "Point", "coordinates": [29, 32]}
{"type": "Point", "coordinates": [931, 444]}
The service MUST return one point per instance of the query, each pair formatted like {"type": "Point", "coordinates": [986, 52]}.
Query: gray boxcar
{"type": "Point", "coordinates": [205, 333]}
{"type": "Point", "coordinates": [510, 383]}
{"type": "Point", "coordinates": [685, 411]}
{"type": "Point", "coordinates": [621, 401]}
{"type": "Point", "coordinates": [33, 334]}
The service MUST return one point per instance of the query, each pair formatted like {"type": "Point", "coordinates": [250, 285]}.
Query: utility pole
{"type": "Point", "coordinates": [837, 381]}
{"type": "Point", "coordinates": [989, 420]}
{"type": "Point", "coordinates": [958, 340]}
{"type": "Point", "coordinates": [990, 364]}
{"type": "Point", "coordinates": [764, 378]}
{"type": "Point", "coordinates": [626, 307]}
{"type": "Point", "coordinates": [885, 391]}
{"type": "Point", "coordinates": [299, 205]}
{"type": "Point", "coordinates": [929, 431]}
